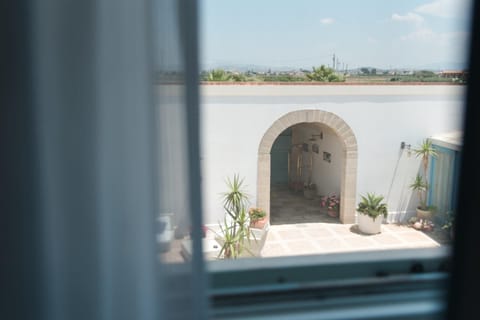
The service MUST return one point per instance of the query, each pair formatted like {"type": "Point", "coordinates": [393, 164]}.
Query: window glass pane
{"type": "Point", "coordinates": [181, 272]}
{"type": "Point", "coordinates": [308, 106]}
{"type": "Point", "coordinates": [174, 211]}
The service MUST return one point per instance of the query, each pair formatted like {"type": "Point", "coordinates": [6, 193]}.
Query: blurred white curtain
{"type": "Point", "coordinates": [112, 144]}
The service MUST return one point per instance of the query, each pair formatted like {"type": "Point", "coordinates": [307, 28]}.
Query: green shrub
{"type": "Point", "coordinates": [372, 206]}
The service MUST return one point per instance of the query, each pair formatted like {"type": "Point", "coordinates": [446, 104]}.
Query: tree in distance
{"type": "Point", "coordinates": [218, 75]}
{"type": "Point", "coordinates": [222, 75]}
{"type": "Point", "coordinates": [324, 74]}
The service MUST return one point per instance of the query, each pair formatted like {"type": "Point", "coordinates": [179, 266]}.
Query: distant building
{"type": "Point", "coordinates": [406, 72]}
{"type": "Point", "coordinates": [454, 74]}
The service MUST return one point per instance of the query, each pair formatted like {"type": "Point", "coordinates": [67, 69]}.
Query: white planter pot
{"type": "Point", "coordinates": [165, 232]}
{"type": "Point", "coordinates": [367, 225]}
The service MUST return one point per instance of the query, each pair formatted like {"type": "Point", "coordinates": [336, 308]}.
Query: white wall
{"type": "Point", "coordinates": [235, 118]}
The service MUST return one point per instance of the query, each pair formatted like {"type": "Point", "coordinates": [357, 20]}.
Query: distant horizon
{"type": "Point", "coordinates": [261, 68]}
{"type": "Point", "coordinates": [301, 34]}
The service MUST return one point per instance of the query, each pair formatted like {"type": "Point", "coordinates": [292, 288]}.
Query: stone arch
{"type": "Point", "coordinates": [348, 182]}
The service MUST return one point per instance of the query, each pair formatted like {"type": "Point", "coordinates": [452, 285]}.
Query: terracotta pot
{"type": "Point", "coordinates": [259, 224]}
{"type": "Point", "coordinates": [332, 213]}
{"type": "Point", "coordinates": [417, 225]}
{"type": "Point", "coordinates": [424, 214]}
{"type": "Point", "coordinates": [427, 228]}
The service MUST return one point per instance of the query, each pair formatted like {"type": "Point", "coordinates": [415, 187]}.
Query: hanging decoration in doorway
{"type": "Point", "coordinates": [288, 164]}
{"type": "Point", "coordinates": [310, 177]}
{"type": "Point", "coordinates": [299, 166]}
{"type": "Point", "coordinates": [305, 147]}
{"type": "Point", "coordinates": [327, 157]}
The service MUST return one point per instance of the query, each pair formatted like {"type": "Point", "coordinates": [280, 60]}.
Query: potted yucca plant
{"type": "Point", "coordinates": [234, 230]}
{"type": "Point", "coordinates": [420, 184]}
{"type": "Point", "coordinates": [371, 211]}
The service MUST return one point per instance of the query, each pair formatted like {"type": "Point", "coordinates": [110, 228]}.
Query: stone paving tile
{"type": "Point", "coordinates": [331, 244]}
{"type": "Point", "coordinates": [288, 207]}
{"type": "Point", "coordinates": [292, 234]}
{"type": "Point", "coordinates": [315, 233]}
{"type": "Point", "coordinates": [272, 236]}
{"type": "Point", "coordinates": [273, 250]}
{"type": "Point", "coordinates": [174, 254]}
{"type": "Point", "coordinates": [384, 239]}
{"type": "Point", "coordinates": [415, 236]}
{"type": "Point", "coordinates": [302, 225]}
{"type": "Point", "coordinates": [342, 230]}
{"type": "Point", "coordinates": [395, 228]}
{"type": "Point", "coordinates": [301, 247]}
{"type": "Point", "coordinates": [359, 242]}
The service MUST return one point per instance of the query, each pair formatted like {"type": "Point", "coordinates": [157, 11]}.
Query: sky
{"type": "Point", "coordinates": [305, 33]}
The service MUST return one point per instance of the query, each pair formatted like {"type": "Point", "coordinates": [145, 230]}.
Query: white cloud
{"type": "Point", "coordinates": [450, 39]}
{"type": "Point", "coordinates": [327, 21]}
{"type": "Point", "coordinates": [426, 41]}
{"type": "Point", "coordinates": [422, 34]}
{"type": "Point", "coordinates": [409, 17]}
{"type": "Point", "coordinates": [440, 8]}
{"type": "Point", "coordinates": [444, 8]}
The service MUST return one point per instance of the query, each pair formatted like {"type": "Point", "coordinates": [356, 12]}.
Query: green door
{"type": "Point", "coordinates": [279, 158]}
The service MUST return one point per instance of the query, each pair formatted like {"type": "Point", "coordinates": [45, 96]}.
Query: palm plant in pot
{"type": "Point", "coordinates": [371, 211]}
{"type": "Point", "coordinates": [420, 184]}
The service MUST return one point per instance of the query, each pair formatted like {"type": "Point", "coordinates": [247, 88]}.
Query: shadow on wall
{"type": "Point", "coordinates": [401, 200]}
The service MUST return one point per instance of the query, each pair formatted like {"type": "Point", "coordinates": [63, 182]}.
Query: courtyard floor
{"type": "Point", "coordinates": [320, 238]}
{"type": "Point", "coordinates": [301, 227]}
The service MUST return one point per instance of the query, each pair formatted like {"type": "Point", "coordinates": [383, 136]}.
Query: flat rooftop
{"type": "Point", "coordinates": [272, 93]}
{"type": "Point", "coordinates": [451, 140]}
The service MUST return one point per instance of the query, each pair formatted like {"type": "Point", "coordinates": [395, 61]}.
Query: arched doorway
{"type": "Point", "coordinates": [349, 167]}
